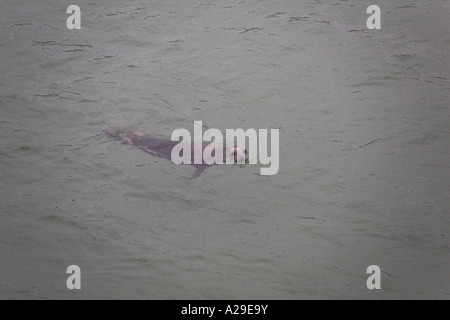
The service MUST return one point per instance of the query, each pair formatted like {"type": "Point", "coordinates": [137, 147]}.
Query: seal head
{"type": "Point", "coordinates": [240, 155]}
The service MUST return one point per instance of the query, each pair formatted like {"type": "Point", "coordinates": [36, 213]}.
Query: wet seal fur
{"type": "Point", "coordinates": [162, 148]}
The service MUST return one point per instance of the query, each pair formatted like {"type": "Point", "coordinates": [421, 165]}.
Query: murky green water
{"type": "Point", "coordinates": [364, 150]}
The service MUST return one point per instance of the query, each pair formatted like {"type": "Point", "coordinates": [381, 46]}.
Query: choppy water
{"type": "Point", "coordinates": [364, 140]}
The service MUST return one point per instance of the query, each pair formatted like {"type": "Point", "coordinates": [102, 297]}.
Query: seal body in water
{"type": "Point", "coordinates": [162, 148]}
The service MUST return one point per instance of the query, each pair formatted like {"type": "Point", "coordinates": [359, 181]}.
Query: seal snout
{"type": "Point", "coordinates": [240, 155]}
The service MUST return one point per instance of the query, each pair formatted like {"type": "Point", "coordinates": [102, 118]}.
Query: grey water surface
{"type": "Point", "coordinates": [364, 173]}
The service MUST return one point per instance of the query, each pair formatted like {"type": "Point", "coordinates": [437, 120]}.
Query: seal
{"type": "Point", "coordinates": [162, 148]}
